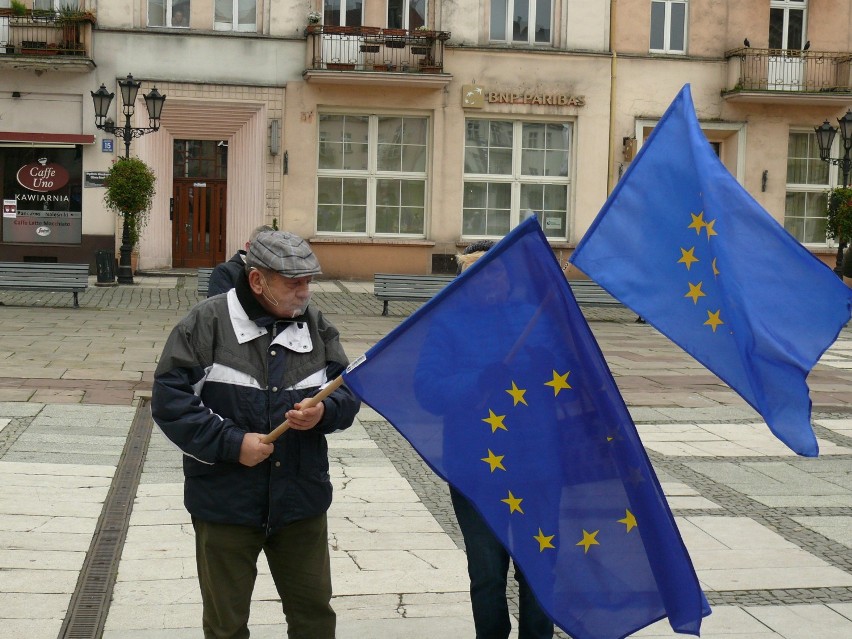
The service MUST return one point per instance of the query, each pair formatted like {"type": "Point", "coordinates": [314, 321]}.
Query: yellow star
{"type": "Point", "coordinates": [695, 292]}
{"type": "Point", "coordinates": [558, 382]}
{"type": "Point", "coordinates": [687, 257]}
{"type": "Point", "coordinates": [629, 521]}
{"type": "Point", "coordinates": [588, 540]}
{"type": "Point", "coordinates": [517, 395]}
{"type": "Point", "coordinates": [496, 421]}
{"type": "Point", "coordinates": [715, 270]}
{"type": "Point", "coordinates": [697, 222]}
{"type": "Point", "coordinates": [713, 320]}
{"type": "Point", "coordinates": [495, 461]}
{"type": "Point", "coordinates": [544, 540]}
{"type": "Point", "coordinates": [709, 227]}
{"type": "Point", "coordinates": [514, 503]}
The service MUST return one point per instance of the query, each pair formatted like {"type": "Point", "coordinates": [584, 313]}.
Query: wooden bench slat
{"type": "Point", "coordinates": [41, 276]}
{"type": "Point", "coordinates": [204, 280]}
{"type": "Point", "coordinates": [403, 287]}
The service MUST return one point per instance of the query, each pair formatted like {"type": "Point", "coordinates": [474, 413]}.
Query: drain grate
{"type": "Point", "coordinates": [89, 605]}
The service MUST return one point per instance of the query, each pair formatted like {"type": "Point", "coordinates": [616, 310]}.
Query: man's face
{"type": "Point", "coordinates": [282, 297]}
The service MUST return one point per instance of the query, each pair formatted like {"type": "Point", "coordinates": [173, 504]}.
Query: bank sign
{"type": "Point", "coordinates": [47, 195]}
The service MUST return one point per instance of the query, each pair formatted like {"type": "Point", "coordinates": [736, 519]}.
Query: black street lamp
{"type": "Point", "coordinates": [825, 138]}
{"type": "Point", "coordinates": [154, 103]}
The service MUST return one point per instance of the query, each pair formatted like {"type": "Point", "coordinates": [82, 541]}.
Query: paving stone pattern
{"type": "Point", "coordinates": [768, 532]}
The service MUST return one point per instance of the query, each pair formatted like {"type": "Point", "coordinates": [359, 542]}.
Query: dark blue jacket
{"type": "Point", "coordinates": [224, 277]}
{"type": "Point", "coordinates": [228, 369]}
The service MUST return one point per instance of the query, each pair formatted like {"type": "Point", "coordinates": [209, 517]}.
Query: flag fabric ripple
{"type": "Point", "coordinates": [500, 386]}
{"type": "Point", "coordinates": [680, 242]}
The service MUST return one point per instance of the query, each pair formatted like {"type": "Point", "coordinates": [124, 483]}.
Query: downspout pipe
{"type": "Point", "coordinates": [612, 95]}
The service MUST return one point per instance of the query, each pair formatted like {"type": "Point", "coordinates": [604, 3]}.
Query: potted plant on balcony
{"type": "Point", "coordinates": [839, 214]}
{"type": "Point", "coordinates": [70, 18]}
{"type": "Point", "coordinates": [314, 22]}
{"type": "Point", "coordinates": [129, 193]}
{"type": "Point", "coordinates": [18, 8]}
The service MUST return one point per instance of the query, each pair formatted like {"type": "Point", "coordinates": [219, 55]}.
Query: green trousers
{"type": "Point", "coordinates": [298, 559]}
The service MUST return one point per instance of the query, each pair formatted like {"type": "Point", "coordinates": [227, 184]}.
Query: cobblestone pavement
{"type": "Point", "coordinates": [770, 533]}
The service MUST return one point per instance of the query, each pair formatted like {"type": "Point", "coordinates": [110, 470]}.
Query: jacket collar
{"type": "Point", "coordinates": [250, 321]}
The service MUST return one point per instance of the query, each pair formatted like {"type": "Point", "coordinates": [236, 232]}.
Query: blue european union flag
{"type": "Point", "coordinates": [680, 242]}
{"type": "Point", "coordinates": [500, 386]}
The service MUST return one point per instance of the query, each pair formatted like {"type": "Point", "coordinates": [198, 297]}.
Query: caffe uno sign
{"type": "Point", "coordinates": [42, 176]}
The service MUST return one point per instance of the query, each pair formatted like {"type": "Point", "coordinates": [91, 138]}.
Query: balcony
{"type": "Point", "coordinates": [788, 76]}
{"type": "Point", "coordinates": [375, 56]}
{"type": "Point", "coordinates": [42, 40]}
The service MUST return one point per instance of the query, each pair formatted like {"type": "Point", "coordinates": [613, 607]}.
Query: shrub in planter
{"type": "Point", "coordinates": [129, 193]}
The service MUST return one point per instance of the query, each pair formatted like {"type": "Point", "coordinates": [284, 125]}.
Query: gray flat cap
{"type": "Point", "coordinates": [284, 252]}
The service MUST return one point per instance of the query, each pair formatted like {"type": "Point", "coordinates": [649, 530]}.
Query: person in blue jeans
{"type": "Point", "coordinates": [488, 560]}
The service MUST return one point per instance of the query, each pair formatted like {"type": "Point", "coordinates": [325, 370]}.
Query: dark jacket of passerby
{"type": "Point", "coordinates": [224, 276]}
{"type": "Point", "coordinates": [227, 369]}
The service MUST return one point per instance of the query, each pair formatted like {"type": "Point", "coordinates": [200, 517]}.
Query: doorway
{"type": "Point", "coordinates": [199, 197]}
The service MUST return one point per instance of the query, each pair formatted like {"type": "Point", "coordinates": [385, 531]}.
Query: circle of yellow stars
{"type": "Point", "coordinates": [558, 383]}
{"type": "Point", "coordinates": [688, 258]}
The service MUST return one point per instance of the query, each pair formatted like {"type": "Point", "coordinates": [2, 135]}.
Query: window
{"type": "Point", "coordinates": [514, 170]}
{"type": "Point", "coordinates": [372, 174]}
{"type": "Point", "coordinates": [787, 24]}
{"type": "Point", "coordinates": [49, 5]}
{"type": "Point", "coordinates": [168, 13]}
{"type": "Point", "coordinates": [235, 15]}
{"type": "Point", "coordinates": [808, 179]}
{"type": "Point", "coordinates": [668, 26]}
{"type": "Point", "coordinates": [200, 158]}
{"type": "Point", "coordinates": [406, 14]}
{"type": "Point", "coordinates": [524, 21]}
{"type": "Point", "coordinates": [342, 13]}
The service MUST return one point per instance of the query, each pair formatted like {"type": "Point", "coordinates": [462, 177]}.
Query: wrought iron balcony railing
{"type": "Point", "coordinates": [40, 33]}
{"type": "Point", "coordinates": [788, 70]}
{"type": "Point", "coordinates": [376, 49]}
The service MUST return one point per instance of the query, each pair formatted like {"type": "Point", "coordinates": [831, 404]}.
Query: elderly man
{"type": "Point", "coordinates": [231, 371]}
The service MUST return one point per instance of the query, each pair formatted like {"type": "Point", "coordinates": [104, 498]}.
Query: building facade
{"type": "Point", "coordinates": [393, 133]}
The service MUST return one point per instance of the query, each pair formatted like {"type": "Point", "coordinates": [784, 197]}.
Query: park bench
{"type": "Point", "coordinates": [204, 280]}
{"type": "Point", "coordinates": [589, 293]}
{"type": "Point", "coordinates": [40, 276]}
{"type": "Point", "coordinates": [400, 287]}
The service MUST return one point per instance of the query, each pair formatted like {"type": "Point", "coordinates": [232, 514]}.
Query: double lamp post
{"type": "Point", "coordinates": [154, 103]}
{"type": "Point", "coordinates": [825, 138]}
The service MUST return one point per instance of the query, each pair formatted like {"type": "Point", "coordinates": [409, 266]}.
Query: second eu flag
{"type": "Point", "coordinates": [500, 386]}
{"type": "Point", "coordinates": [680, 242]}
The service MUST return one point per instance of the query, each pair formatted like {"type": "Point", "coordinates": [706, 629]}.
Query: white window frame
{"type": "Point", "coordinates": [510, 12]}
{"type": "Point", "coordinates": [372, 174]}
{"type": "Point", "coordinates": [793, 187]}
{"type": "Point", "coordinates": [235, 25]}
{"type": "Point", "coordinates": [516, 179]}
{"type": "Point", "coordinates": [342, 4]}
{"type": "Point", "coordinates": [168, 4]}
{"type": "Point", "coordinates": [667, 26]}
{"type": "Point", "coordinates": [406, 13]}
{"type": "Point", "coordinates": [50, 5]}
{"type": "Point", "coordinates": [786, 6]}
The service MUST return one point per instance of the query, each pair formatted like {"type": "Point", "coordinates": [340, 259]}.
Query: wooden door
{"type": "Point", "coordinates": [198, 222]}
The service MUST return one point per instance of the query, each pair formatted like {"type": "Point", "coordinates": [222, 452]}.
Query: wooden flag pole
{"type": "Point", "coordinates": [306, 403]}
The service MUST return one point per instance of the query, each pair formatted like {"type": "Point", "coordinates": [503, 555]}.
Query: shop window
{"type": "Point", "coordinates": [668, 26]}
{"type": "Point", "coordinates": [235, 15]}
{"type": "Point", "coordinates": [372, 175]}
{"type": "Point", "coordinates": [808, 180]}
{"type": "Point", "coordinates": [514, 170]}
{"type": "Point", "coordinates": [521, 21]}
{"type": "Point", "coordinates": [168, 13]}
{"type": "Point", "coordinates": [406, 14]}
